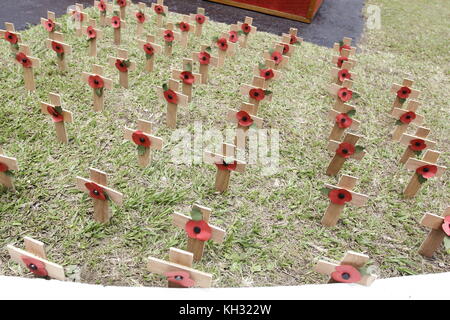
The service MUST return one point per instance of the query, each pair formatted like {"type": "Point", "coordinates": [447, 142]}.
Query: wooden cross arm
{"type": "Point", "coordinates": [98, 31]}
{"type": "Point", "coordinates": [2, 35]}
{"type": "Point", "coordinates": [123, 24]}
{"type": "Point", "coordinates": [112, 63]}
{"type": "Point", "coordinates": [358, 199]}
{"type": "Point", "coordinates": [107, 82]}
{"type": "Point", "coordinates": [334, 88]}
{"type": "Point", "coordinates": [202, 279]}
{"type": "Point", "coordinates": [397, 113]}
{"type": "Point", "coordinates": [67, 115]}
{"type": "Point", "coordinates": [231, 116]}
{"type": "Point", "coordinates": [213, 158]}
{"type": "Point", "coordinates": [192, 18]}
{"type": "Point", "coordinates": [299, 39]}
{"type": "Point", "coordinates": [326, 267]}
{"type": "Point", "coordinates": [332, 114]}
{"type": "Point", "coordinates": [177, 73]}
{"type": "Point", "coordinates": [157, 48]}
{"type": "Point", "coordinates": [334, 145]}
{"type": "Point", "coordinates": [413, 95]}
{"type": "Point", "coordinates": [253, 28]}
{"type": "Point", "coordinates": [277, 73]}
{"type": "Point", "coordinates": [35, 62]}
{"type": "Point", "coordinates": [345, 65]}
{"type": "Point", "coordinates": [268, 56]}
{"type": "Point", "coordinates": [217, 234]}
{"type": "Point", "coordinates": [412, 164]}
{"type": "Point", "coordinates": [176, 34]}
{"type": "Point", "coordinates": [166, 8]}
{"type": "Point", "coordinates": [407, 138]}
{"type": "Point", "coordinates": [351, 62]}
{"type": "Point", "coordinates": [432, 221]}
{"type": "Point", "coordinates": [182, 99]}
{"type": "Point", "coordinates": [55, 271]}
{"type": "Point", "coordinates": [115, 196]}
{"type": "Point", "coordinates": [67, 48]}
{"type": "Point", "coordinates": [245, 90]}
{"type": "Point", "coordinates": [214, 61]}
{"type": "Point", "coordinates": [10, 162]}
{"type": "Point", "coordinates": [156, 142]}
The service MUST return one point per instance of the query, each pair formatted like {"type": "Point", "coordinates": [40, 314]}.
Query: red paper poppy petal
{"type": "Point", "coordinates": [39, 270]}
{"type": "Point", "coordinates": [3, 167]}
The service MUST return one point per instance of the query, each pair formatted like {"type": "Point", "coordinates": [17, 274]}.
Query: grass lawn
{"type": "Point", "coordinates": [273, 222]}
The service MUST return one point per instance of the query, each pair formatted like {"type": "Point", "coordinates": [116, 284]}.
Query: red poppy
{"type": "Point", "coordinates": [91, 33]}
{"type": "Point", "coordinates": [95, 191]}
{"type": "Point", "coordinates": [159, 9]}
{"type": "Point", "coordinates": [181, 278]}
{"type": "Point", "coordinates": [403, 92]}
{"type": "Point", "coordinates": [346, 274]}
{"type": "Point", "coordinates": [49, 25]}
{"type": "Point", "coordinates": [427, 171]}
{"type": "Point", "coordinates": [3, 167]}
{"type": "Point", "coordinates": [233, 36]}
{"type": "Point", "coordinates": [171, 96]}
{"type": "Point", "coordinates": [141, 139]}
{"type": "Point", "coordinates": [169, 36]}
{"type": "Point", "coordinates": [140, 16]}
{"type": "Point", "coordinates": [102, 6]}
{"type": "Point", "coordinates": [200, 19]}
{"type": "Point", "coordinates": [345, 150]}
{"type": "Point", "coordinates": [96, 82]}
{"type": "Point", "coordinates": [266, 73]}
{"type": "Point", "coordinates": [417, 145]}
{"type": "Point", "coordinates": [343, 120]}
{"type": "Point", "coordinates": [246, 28]}
{"type": "Point", "coordinates": [227, 166]}
{"type": "Point", "coordinates": [340, 196]}
{"type": "Point", "coordinates": [344, 74]}
{"type": "Point", "coordinates": [122, 3]}
{"type": "Point", "coordinates": [121, 65]}
{"type": "Point", "coordinates": [407, 117]}
{"type": "Point", "coordinates": [345, 94]}
{"type": "Point", "coordinates": [294, 39]}
{"type": "Point", "coordinates": [78, 16]}
{"type": "Point", "coordinates": [56, 116]}
{"type": "Point", "coordinates": [257, 94]}
{"type": "Point", "coordinates": [24, 60]}
{"type": "Point", "coordinates": [199, 230]}
{"type": "Point", "coordinates": [344, 46]}
{"type": "Point", "coordinates": [148, 48]}
{"type": "Point", "coordinates": [115, 22]}
{"type": "Point", "coordinates": [58, 48]}
{"type": "Point", "coordinates": [244, 119]}
{"type": "Point", "coordinates": [446, 225]}
{"type": "Point", "coordinates": [184, 26]}
{"type": "Point", "coordinates": [285, 48]}
{"type": "Point", "coordinates": [341, 61]}
{"type": "Point", "coordinates": [11, 37]}
{"type": "Point", "coordinates": [277, 57]}
{"type": "Point", "coordinates": [222, 43]}
{"type": "Point", "coordinates": [187, 77]}
{"type": "Point", "coordinates": [204, 58]}
{"type": "Point", "coordinates": [35, 266]}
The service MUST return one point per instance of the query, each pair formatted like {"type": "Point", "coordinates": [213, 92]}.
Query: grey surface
{"type": "Point", "coordinates": [335, 19]}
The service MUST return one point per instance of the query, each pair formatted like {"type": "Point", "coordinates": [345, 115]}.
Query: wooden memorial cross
{"type": "Point", "coordinates": [351, 269]}
{"type": "Point", "coordinates": [145, 141]}
{"type": "Point", "coordinates": [28, 65]}
{"type": "Point", "coordinates": [104, 6]}
{"type": "Point", "coordinates": [404, 92]}
{"type": "Point", "coordinates": [343, 120]}
{"type": "Point", "coordinates": [7, 166]}
{"type": "Point", "coordinates": [343, 94]}
{"type": "Point", "coordinates": [416, 144]}
{"type": "Point", "coordinates": [226, 48]}
{"type": "Point", "coordinates": [123, 8]}
{"type": "Point", "coordinates": [150, 48]}
{"type": "Point", "coordinates": [161, 11]}
{"type": "Point", "coordinates": [117, 25]}
{"type": "Point", "coordinates": [187, 77]}
{"type": "Point", "coordinates": [268, 72]}
{"type": "Point", "coordinates": [200, 19]}
{"type": "Point", "coordinates": [276, 55]}
{"type": "Point", "coordinates": [424, 170]}
{"type": "Point", "coordinates": [245, 118]}
{"type": "Point", "coordinates": [185, 29]}
{"type": "Point", "coordinates": [169, 37]}
{"type": "Point", "coordinates": [339, 75]}
{"type": "Point", "coordinates": [98, 83]}
{"type": "Point", "coordinates": [34, 258]}
{"type": "Point", "coordinates": [256, 92]}
{"type": "Point", "coordinates": [61, 49]}
{"type": "Point", "coordinates": [225, 163]}
{"type": "Point", "coordinates": [198, 229]}
{"type": "Point", "coordinates": [169, 92]}
{"type": "Point", "coordinates": [140, 18]}
{"type": "Point", "coordinates": [345, 44]}
{"type": "Point", "coordinates": [288, 48]}
{"type": "Point", "coordinates": [246, 29]}
{"type": "Point", "coordinates": [179, 271]}
{"type": "Point", "coordinates": [93, 34]}
{"type": "Point", "coordinates": [50, 24]}
{"type": "Point", "coordinates": [97, 189]}
{"type": "Point", "coordinates": [58, 114]}
{"type": "Point", "coordinates": [344, 56]}
{"type": "Point", "coordinates": [123, 65]}
{"type": "Point", "coordinates": [437, 234]}
{"type": "Point", "coordinates": [405, 117]}
{"type": "Point", "coordinates": [347, 149]}
{"type": "Point", "coordinates": [11, 36]}
{"type": "Point", "coordinates": [79, 17]}
{"type": "Point", "coordinates": [340, 195]}
{"type": "Point", "coordinates": [293, 37]}
{"type": "Point", "coordinates": [205, 59]}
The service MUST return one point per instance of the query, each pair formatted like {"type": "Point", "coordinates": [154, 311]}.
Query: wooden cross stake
{"type": "Point", "coordinates": [61, 49]}
{"type": "Point", "coordinates": [92, 41]}
{"type": "Point", "coordinates": [50, 24]}
{"type": "Point", "coordinates": [334, 210]}
{"type": "Point", "coordinates": [97, 93]}
{"type": "Point", "coordinates": [172, 107]}
{"type": "Point", "coordinates": [430, 158]}
{"type": "Point", "coordinates": [141, 137]}
{"type": "Point", "coordinates": [276, 55]}
{"type": "Point", "coordinates": [97, 188]}
{"type": "Point", "coordinates": [118, 24]}
{"type": "Point", "coordinates": [179, 261]}
{"type": "Point", "coordinates": [159, 17]}
{"type": "Point", "coordinates": [185, 34]}
{"type": "Point", "coordinates": [230, 51]}
{"type": "Point", "coordinates": [398, 102]}
{"type": "Point", "coordinates": [122, 61]}
{"type": "Point", "coordinates": [338, 160]}
{"type": "Point", "coordinates": [351, 258]}
{"type": "Point", "coordinates": [245, 118]}
{"type": "Point", "coordinates": [34, 258]}
{"type": "Point", "coordinates": [225, 163]}
{"type": "Point", "coordinates": [411, 142]}
{"type": "Point", "coordinates": [59, 115]}
{"type": "Point", "coordinates": [202, 57]}
{"type": "Point", "coordinates": [334, 90]}
{"type": "Point", "coordinates": [250, 29]}
{"type": "Point", "coordinates": [11, 36]}
{"type": "Point", "coordinates": [340, 126]}
{"type": "Point", "coordinates": [194, 245]}
{"type": "Point", "coordinates": [265, 69]}
{"type": "Point", "coordinates": [344, 56]}
{"type": "Point", "coordinates": [199, 23]}
{"type": "Point", "coordinates": [79, 17]}
{"type": "Point", "coordinates": [123, 10]}
{"type": "Point", "coordinates": [339, 75]}
{"type": "Point", "coordinates": [436, 235]}
{"type": "Point", "coordinates": [188, 65]}
{"type": "Point", "coordinates": [256, 92]}
{"type": "Point", "coordinates": [292, 36]}
{"type": "Point", "coordinates": [103, 7]}
{"type": "Point", "coordinates": [150, 48]}
{"type": "Point", "coordinates": [402, 114]}
{"type": "Point", "coordinates": [28, 65]}
{"type": "Point", "coordinates": [345, 44]}
{"type": "Point", "coordinates": [140, 25]}
{"type": "Point", "coordinates": [9, 165]}
{"type": "Point", "coordinates": [168, 45]}
{"type": "Point", "coordinates": [289, 49]}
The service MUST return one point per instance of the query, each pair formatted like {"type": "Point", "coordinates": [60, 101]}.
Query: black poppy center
{"type": "Point", "coordinates": [244, 118]}
{"type": "Point", "coordinates": [408, 117]}
{"type": "Point", "coordinates": [122, 64]}
{"type": "Point", "coordinates": [170, 97]}
{"type": "Point", "coordinates": [418, 144]}
{"type": "Point", "coordinates": [142, 140]}
{"type": "Point", "coordinates": [10, 37]}
{"type": "Point", "coordinates": [204, 58]}
{"type": "Point", "coordinates": [343, 120]}
{"type": "Point", "coordinates": [341, 196]}
{"type": "Point", "coordinates": [404, 92]}
{"type": "Point", "coordinates": [256, 94]}
{"type": "Point", "coordinates": [426, 169]}
{"type": "Point", "coordinates": [32, 266]}
{"type": "Point", "coordinates": [345, 276]}
{"type": "Point", "coordinates": [178, 278]}
{"type": "Point", "coordinates": [276, 58]}
{"type": "Point", "coordinates": [344, 93]}
{"type": "Point", "coordinates": [345, 151]}
{"type": "Point", "coordinates": [344, 75]}
{"type": "Point", "coordinates": [267, 73]}
{"type": "Point", "coordinates": [96, 192]}
{"type": "Point", "coordinates": [197, 230]}
{"type": "Point", "coordinates": [96, 82]}
{"type": "Point", "coordinates": [186, 76]}
{"type": "Point", "coordinates": [24, 60]}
